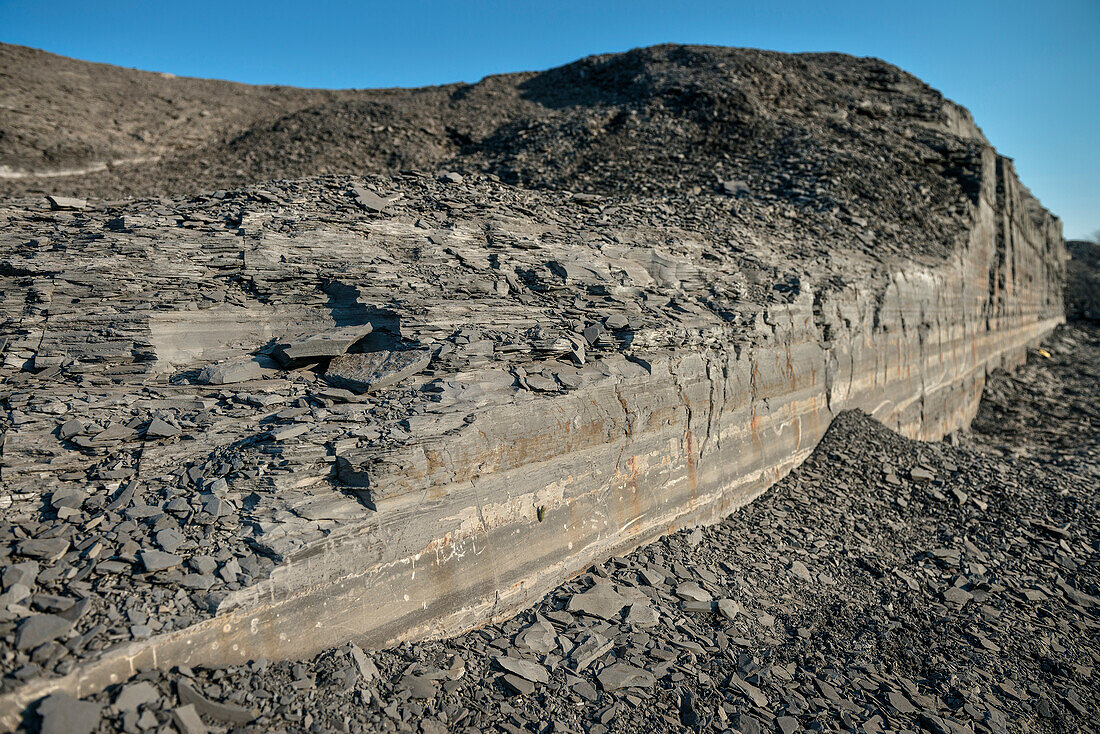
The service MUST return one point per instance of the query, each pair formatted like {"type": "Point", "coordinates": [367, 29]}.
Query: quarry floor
{"type": "Point", "coordinates": [884, 585]}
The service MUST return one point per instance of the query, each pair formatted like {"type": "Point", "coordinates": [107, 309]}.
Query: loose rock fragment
{"type": "Point", "coordinates": [66, 202]}
{"type": "Point", "coordinates": [622, 675]}
{"type": "Point", "coordinates": [186, 720]}
{"type": "Point", "coordinates": [39, 628]}
{"type": "Point", "coordinates": [321, 346]}
{"type": "Point", "coordinates": [161, 429]}
{"type": "Point", "coordinates": [736, 188]}
{"type": "Point", "coordinates": [218, 711]}
{"type": "Point", "coordinates": [375, 370]}
{"type": "Point", "coordinates": [368, 671]}
{"type": "Point", "coordinates": [154, 560]}
{"type": "Point", "coordinates": [236, 370]}
{"type": "Point", "coordinates": [371, 201]}
{"type": "Point", "coordinates": [63, 714]}
{"type": "Point", "coordinates": [71, 428]}
{"type": "Point", "coordinates": [600, 601]}
{"type": "Point", "coordinates": [798, 568]}
{"type": "Point", "coordinates": [524, 669]}
{"type": "Point", "coordinates": [133, 695]}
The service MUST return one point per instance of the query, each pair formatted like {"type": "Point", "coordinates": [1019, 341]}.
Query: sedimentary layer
{"type": "Point", "coordinates": [599, 372]}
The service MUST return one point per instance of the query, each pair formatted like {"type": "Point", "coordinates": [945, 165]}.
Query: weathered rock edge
{"type": "Point", "coordinates": [527, 497]}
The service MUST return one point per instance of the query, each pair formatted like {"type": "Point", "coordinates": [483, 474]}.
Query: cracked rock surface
{"type": "Point", "coordinates": [966, 601]}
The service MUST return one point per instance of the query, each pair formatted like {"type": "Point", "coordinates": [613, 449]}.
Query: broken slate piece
{"type": "Point", "coordinates": [589, 649]}
{"type": "Point", "coordinates": [691, 591]}
{"type": "Point", "coordinates": [322, 346]}
{"type": "Point", "coordinates": [186, 720]}
{"type": "Point", "coordinates": [155, 560]}
{"type": "Point", "coordinates": [235, 370]}
{"type": "Point", "coordinates": [746, 724]}
{"type": "Point", "coordinates": [920, 474]}
{"type": "Point", "coordinates": [216, 506]}
{"type": "Point", "coordinates": [170, 539]}
{"type": "Point", "coordinates": [23, 573]}
{"type": "Point", "coordinates": [420, 686]}
{"type": "Point", "coordinates": [798, 568]}
{"type": "Point", "coordinates": [736, 188]}
{"type": "Point", "coordinates": [66, 202]}
{"type": "Point", "coordinates": [600, 601]}
{"type": "Point", "coordinates": [900, 702]}
{"type": "Point", "coordinates": [371, 201]}
{"type": "Point", "coordinates": [642, 614]}
{"type": "Point", "coordinates": [957, 595]}
{"type": "Point", "coordinates": [47, 549]}
{"type": "Point", "coordinates": [524, 668]}
{"type": "Point", "coordinates": [616, 322]}
{"type": "Point", "coordinates": [14, 594]}
{"type": "Point", "coordinates": [517, 684]}
{"type": "Point", "coordinates": [285, 433]}
{"type": "Point", "coordinates": [540, 636]}
{"type": "Point", "coordinates": [752, 692]}
{"type": "Point", "coordinates": [213, 709]}
{"type": "Point", "coordinates": [39, 628]}
{"type": "Point", "coordinates": [623, 675]}
{"type": "Point", "coordinates": [728, 608]}
{"type": "Point", "coordinates": [697, 607]}
{"type": "Point", "coordinates": [541, 384]}
{"type": "Point", "coordinates": [788, 724]}
{"type": "Point", "coordinates": [63, 714]}
{"type": "Point", "coordinates": [161, 429]}
{"type": "Point", "coordinates": [135, 694]}
{"type": "Point", "coordinates": [367, 669]}
{"type": "Point", "coordinates": [71, 428]}
{"type": "Point", "coordinates": [375, 370]}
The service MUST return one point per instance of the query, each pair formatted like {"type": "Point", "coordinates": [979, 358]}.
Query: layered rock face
{"type": "Point", "coordinates": [1083, 280]}
{"type": "Point", "coordinates": [265, 421]}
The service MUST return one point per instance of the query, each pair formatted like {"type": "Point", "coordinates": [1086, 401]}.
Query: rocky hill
{"type": "Point", "coordinates": [61, 115]}
{"type": "Point", "coordinates": [856, 139]}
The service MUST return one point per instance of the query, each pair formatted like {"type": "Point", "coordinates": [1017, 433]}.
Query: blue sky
{"type": "Point", "coordinates": [1029, 71]}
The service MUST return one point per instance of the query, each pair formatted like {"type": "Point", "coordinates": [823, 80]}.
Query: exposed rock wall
{"type": "Point", "coordinates": [480, 516]}
{"type": "Point", "coordinates": [1083, 280]}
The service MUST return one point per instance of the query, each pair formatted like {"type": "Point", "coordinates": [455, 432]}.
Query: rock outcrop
{"type": "Point", "coordinates": [269, 420]}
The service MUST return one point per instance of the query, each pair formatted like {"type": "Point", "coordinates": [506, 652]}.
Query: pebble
{"type": "Point", "coordinates": [798, 568]}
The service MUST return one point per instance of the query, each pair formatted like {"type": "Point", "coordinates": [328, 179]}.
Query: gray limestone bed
{"type": "Point", "coordinates": [885, 585]}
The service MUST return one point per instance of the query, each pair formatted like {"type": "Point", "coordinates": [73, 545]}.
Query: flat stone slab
{"type": "Point", "coordinates": [321, 346]}
{"type": "Point", "coordinates": [375, 370]}
{"type": "Point", "coordinates": [66, 202]}
{"type": "Point", "coordinates": [240, 369]}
